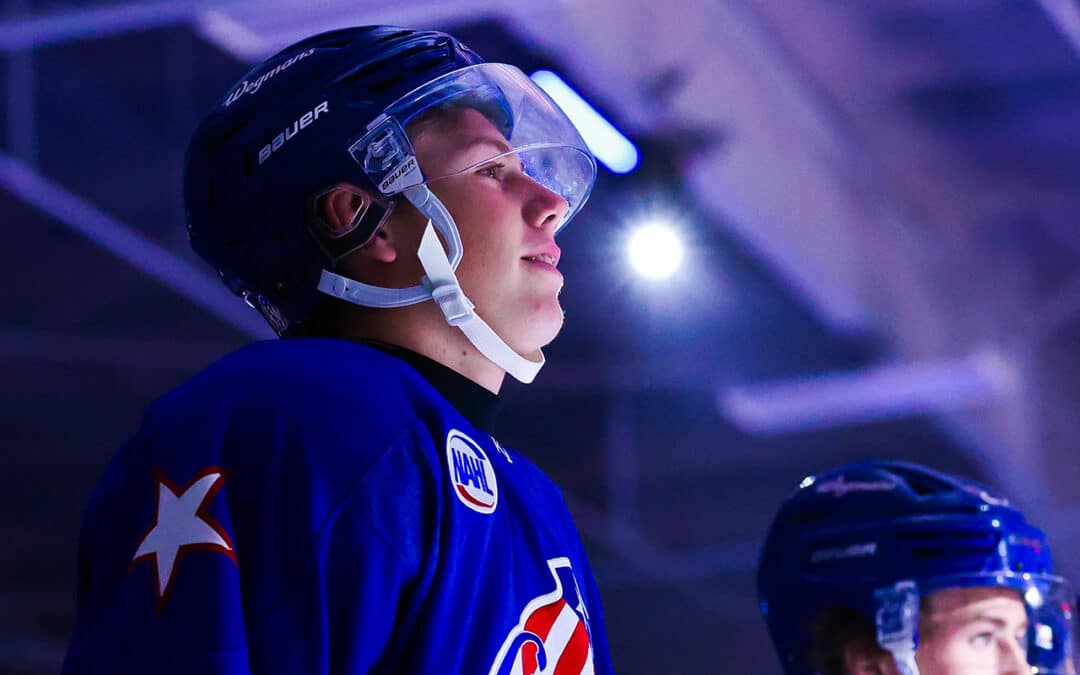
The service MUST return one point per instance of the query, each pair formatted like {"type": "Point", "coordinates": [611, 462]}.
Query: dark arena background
{"type": "Point", "coordinates": [823, 231]}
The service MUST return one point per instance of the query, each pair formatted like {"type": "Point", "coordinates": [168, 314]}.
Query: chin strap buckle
{"type": "Point", "coordinates": [457, 308]}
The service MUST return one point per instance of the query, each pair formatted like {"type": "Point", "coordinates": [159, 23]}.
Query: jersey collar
{"type": "Point", "coordinates": [475, 403]}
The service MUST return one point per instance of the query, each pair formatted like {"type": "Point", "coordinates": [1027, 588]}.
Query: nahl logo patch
{"type": "Point", "coordinates": [471, 475]}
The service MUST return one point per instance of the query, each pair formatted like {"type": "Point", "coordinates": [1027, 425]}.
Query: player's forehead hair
{"type": "Point", "coordinates": [960, 599]}
{"type": "Point", "coordinates": [448, 117]}
{"type": "Point", "coordinates": [451, 138]}
{"type": "Point", "coordinates": [962, 606]}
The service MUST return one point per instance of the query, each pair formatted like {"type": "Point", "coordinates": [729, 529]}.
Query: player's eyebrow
{"type": "Point", "coordinates": [980, 616]}
{"type": "Point", "coordinates": [965, 616]}
{"type": "Point", "coordinates": [499, 144]}
{"type": "Point", "coordinates": [997, 622]}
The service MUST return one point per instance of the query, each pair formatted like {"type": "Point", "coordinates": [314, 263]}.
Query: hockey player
{"type": "Point", "coordinates": [333, 502]}
{"type": "Point", "coordinates": [885, 568]}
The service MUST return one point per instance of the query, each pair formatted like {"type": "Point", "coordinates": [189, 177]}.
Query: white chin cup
{"type": "Point", "coordinates": [441, 285]}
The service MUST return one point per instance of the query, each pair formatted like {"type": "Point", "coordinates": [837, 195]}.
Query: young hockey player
{"type": "Point", "coordinates": [334, 502]}
{"type": "Point", "coordinates": [885, 568]}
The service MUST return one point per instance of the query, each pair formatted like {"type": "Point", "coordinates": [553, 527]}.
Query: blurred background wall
{"type": "Point", "coordinates": [876, 203]}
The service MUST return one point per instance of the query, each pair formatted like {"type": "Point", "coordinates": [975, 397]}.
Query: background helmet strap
{"type": "Point", "coordinates": [897, 621]}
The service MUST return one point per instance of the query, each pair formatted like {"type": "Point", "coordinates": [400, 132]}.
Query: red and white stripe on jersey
{"type": "Point", "coordinates": [565, 639]}
{"type": "Point", "coordinates": [557, 624]}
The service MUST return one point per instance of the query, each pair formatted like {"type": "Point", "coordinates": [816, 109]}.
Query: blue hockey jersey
{"type": "Point", "coordinates": [317, 506]}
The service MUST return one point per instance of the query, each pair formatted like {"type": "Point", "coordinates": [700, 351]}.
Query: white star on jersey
{"type": "Point", "coordinates": [179, 524]}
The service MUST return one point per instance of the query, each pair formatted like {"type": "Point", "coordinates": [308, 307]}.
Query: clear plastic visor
{"type": "Point", "coordinates": [489, 120]}
{"type": "Point", "coordinates": [997, 623]}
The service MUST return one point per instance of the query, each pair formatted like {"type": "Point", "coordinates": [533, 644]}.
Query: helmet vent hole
{"type": "Point", "coordinates": [426, 64]}
{"type": "Point", "coordinates": [923, 484]}
{"type": "Point", "coordinates": [413, 51]}
{"type": "Point", "coordinates": [336, 44]}
{"type": "Point", "coordinates": [361, 72]}
{"type": "Point", "coordinates": [379, 87]}
{"type": "Point", "coordinates": [810, 516]}
{"type": "Point", "coordinates": [394, 36]}
{"type": "Point", "coordinates": [369, 69]}
{"type": "Point", "coordinates": [951, 546]}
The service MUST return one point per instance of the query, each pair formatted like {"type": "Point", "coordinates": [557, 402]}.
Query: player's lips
{"type": "Point", "coordinates": [547, 256]}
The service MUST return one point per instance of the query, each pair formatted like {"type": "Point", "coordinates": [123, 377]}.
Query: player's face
{"type": "Point", "coordinates": [973, 631]}
{"type": "Point", "coordinates": [507, 223]}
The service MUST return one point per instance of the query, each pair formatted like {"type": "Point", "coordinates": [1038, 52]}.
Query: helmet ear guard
{"type": "Point", "coordinates": [369, 215]}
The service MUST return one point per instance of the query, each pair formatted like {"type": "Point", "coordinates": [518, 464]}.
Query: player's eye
{"type": "Point", "coordinates": [1022, 639]}
{"type": "Point", "coordinates": [983, 639]}
{"type": "Point", "coordinates": [492, 171]}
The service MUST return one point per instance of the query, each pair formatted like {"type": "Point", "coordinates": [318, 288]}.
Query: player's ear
{"type": "Point", "coordinates": [864, 658]}
{"type": "Point", "coordinates": [341, 206]}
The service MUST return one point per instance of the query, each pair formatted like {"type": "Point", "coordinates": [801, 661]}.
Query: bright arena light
{"type": "Point", "coordinates": [655, 251]}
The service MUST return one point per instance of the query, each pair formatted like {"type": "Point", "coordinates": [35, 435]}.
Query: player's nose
{"type": "Point", "coordinates": [543, 208]}
{"type": "Point", "coordinates": [1012, 658]}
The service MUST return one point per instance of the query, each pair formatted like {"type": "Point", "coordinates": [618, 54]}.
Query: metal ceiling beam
{"type": "Point", "coordinates": [1056, 312]}
{"type": "Point", "coordinates": [66, 26]}
{"type": "Point", "coordinates": [251, 30]}
{"type": "Point", "coordinates": [21, 102]}
{"type": "Point", "coordinates": [1065, 15]}
{"type": "Point", "coordinates": [279, 20]}
{"type": "Point", "coordinates": [126, 243]}
{"type": "Point", "coordinates": [22, 106]}
{"type": "Point", "coordinates": [868, 395]}
{"type": "Point", "coordinates": [89, 349]}
{"type": "Point", "coordinates": [839, 308]}
{"type": "Point", "coordinates": [676, 570]}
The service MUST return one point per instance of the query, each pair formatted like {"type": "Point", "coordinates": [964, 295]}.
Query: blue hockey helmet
{"type": "Point", "coordinates": [876, 537]}
{"type": "Point", "coordinates": [343, 107]}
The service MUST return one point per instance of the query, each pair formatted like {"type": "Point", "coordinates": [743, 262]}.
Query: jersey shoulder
{"type": "Point", "coordinates": [308, 381]}
{"type": "Point", "coordinates": [309, 370]}
{"type": "Point", "coordinates": [314, 412]}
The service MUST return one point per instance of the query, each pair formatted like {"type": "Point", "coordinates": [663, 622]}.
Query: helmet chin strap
{"type": "Point", "coordinates": [897, 621]}
{"type": "Point", "coordinates": [905, 662]}
{"type": "Point", "coordinates": [440, 284]}
{"type": "Point", "coordinates": [446, 291]}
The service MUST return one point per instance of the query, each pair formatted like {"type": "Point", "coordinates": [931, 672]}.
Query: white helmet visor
{"type": "Point", "coordinates": [489, 117]}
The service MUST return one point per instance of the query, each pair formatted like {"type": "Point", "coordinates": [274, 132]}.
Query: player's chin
{"type": "Point", "coordinates": [540, 327]}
